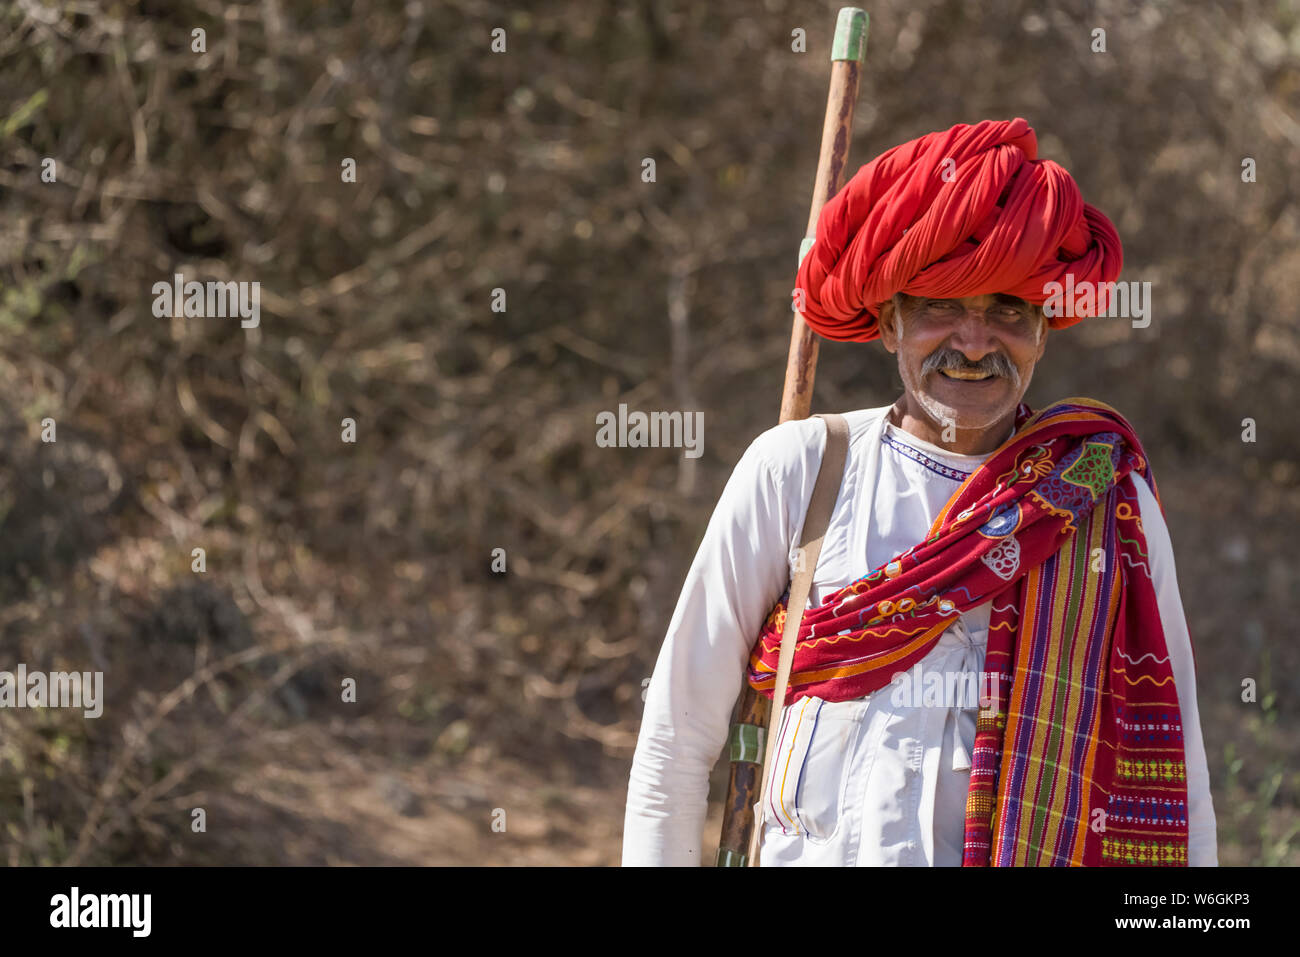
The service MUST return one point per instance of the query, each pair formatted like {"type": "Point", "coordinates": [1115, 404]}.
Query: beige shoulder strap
{"type": "Point", "coordinates": [825, 492]}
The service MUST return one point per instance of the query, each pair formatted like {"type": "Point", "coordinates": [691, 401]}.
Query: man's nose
{"type": "Point", "coordinates": [972, 335]}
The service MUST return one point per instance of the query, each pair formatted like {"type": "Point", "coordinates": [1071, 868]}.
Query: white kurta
{"type": "Point", "coordinates": [879, 780]}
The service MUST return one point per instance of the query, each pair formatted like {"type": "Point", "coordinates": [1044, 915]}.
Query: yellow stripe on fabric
{"type": "Point", "coordinates": [1094, 732]}
{"type": "Point", "coordinates": [813, 642]}
{"type": "Point", "coordinates": [1074, 621]}
{"type": "Point", "coordinates": [1042, 764]}
{"type": "Point", "coordinates": [1048, 765]}
{"type": "Point", "coordinates": [875, 664]}
{"type": "Point", "coordinates": [1158, 684]}
{"type": "Point", "coordinates": [794, 738]}
{"type": "Point", "coordinates": [1047, 775]}
{"type": "Point", "coordinates": [855, 636]}
{"type": "Point", "coordinates": [824, 674]}
{"type": "Point", "coordinates": [1037, 761]}
{"type": "Point", "coordinates": [1016, 704]}
{"type": "Point", "coordinates": [1084, 625]}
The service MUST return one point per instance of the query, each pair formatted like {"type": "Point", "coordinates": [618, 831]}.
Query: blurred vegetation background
{"type": "Point", "coordinates": [521, 171]}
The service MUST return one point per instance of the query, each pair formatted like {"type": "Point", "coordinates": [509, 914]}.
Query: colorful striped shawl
{"type": "Point", "coordinates": [1079, 759]}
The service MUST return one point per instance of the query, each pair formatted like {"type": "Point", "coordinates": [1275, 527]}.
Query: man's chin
{"type": "Point", "coordinates": [968, 413]}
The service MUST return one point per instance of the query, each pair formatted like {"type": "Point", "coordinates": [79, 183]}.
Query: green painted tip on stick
{"type": "Point", "coordinates": [850, 34]}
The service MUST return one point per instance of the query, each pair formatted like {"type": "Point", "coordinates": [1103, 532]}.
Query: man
{"type": "Point", "coordinates": [973, 542]}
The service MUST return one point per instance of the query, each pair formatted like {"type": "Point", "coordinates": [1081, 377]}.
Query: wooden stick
{"type": "Point", "coordinates": [749, 727]}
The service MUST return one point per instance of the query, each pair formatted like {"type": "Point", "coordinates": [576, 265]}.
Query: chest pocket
{"type": "Point", "coordinates": [808, 782]}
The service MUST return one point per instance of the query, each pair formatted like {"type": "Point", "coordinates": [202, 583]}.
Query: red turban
{"type": "Point", "coordinates": [996, 219]}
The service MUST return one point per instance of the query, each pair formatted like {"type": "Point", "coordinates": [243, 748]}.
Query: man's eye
{"type": "Point", "coordinates": [940, 304]}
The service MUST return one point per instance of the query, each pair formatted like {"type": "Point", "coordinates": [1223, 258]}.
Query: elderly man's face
{"type": "Point", "coordinates": [966, 362]}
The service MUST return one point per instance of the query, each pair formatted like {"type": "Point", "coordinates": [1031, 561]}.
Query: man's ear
{"type": "Point", "coordinates": [886, 325]}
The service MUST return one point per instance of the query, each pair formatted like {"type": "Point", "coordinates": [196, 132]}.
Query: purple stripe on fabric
{"type": "Point", "coordinates": [1095, 666]}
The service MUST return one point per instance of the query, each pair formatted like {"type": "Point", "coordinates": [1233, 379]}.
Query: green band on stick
{"type": "Point", "coordinates": [726, 858]}
{"type": "Point", "coordinates": [747, 742]}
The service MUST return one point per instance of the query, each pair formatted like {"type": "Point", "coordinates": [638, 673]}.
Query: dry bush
{"type": "Point", "coordinates": [476, 428]}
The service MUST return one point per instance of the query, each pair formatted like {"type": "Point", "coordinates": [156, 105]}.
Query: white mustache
{"type": "Point", "coordinates": [950, 359]}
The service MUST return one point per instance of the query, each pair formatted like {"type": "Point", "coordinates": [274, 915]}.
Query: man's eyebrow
{"type": "Point", "coordinates": [1003, 299]}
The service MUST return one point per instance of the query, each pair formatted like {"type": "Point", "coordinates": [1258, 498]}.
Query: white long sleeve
{"type": "Point", "coordinates": [1202, 845]}
{"type": "Point", "coordinates": [738, 574]}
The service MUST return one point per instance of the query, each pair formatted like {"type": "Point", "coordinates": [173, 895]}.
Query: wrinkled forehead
{"type": "Point", "coordinates": [974, 302]}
